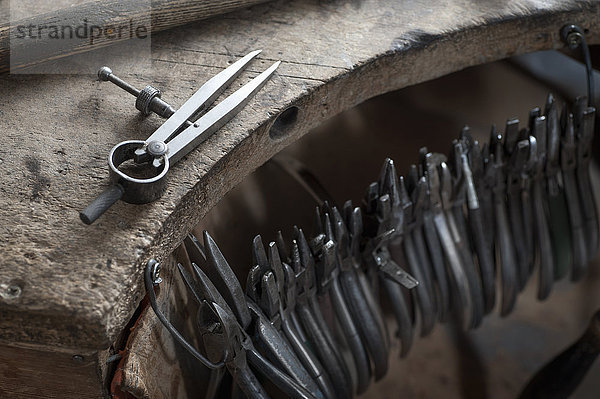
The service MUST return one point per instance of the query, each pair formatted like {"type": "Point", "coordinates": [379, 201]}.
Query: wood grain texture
{"type": "Point", "coordinates": [80, 284]}
{"type": "Point", "coordinates": [33, 374]}
{"type": "Point", "coordinates": [106, 14]}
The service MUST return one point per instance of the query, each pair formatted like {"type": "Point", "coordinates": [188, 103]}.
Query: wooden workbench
{"type": "Point", "coordinates": [71, 289]}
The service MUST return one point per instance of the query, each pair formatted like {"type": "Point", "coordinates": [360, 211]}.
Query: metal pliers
{"type": "Point", "coordinates": [537, 149]}
{"type": "Point", "coordinates": [274, 288]}
{"type": "Point", "coordinates": [456, 174]}
{"type": "Point", "coordinates": [222, 315]}
{"type": "Point", "coordinates": [371, 320]}
{"type": "Point", "coordinates": [478, 155]}
{"type": "Point", "coordinates": [568, 162]}
{"type": "Point", "coordinates": [257, 328]}
{"type": "Point", "coordinates": [264, 285]}
{"type": "Point", "coordinates": [379, 230]}
{"type": "Point", "coordinates": [462, 297]}
{"type": "Point", "coordinates": [584, 121]}
{"type": "Point", "coordinates": [486, 192]}
{"type": "Point", "coordinates": [312, 319]}
{"type": "Point", "coordinates": [448, 188]}
{"type": "Point", "coordinates": [458, 197]}
{"type": "Point", "coordinates": [362, 307]}
{"type": "Point", "coordinates": [415, 250]}
{"type": "Point", "coordinates": [558, 215]}
{"type": "Point", "coordinates": [328, 269]}
{"type": "Point", "coordinates": [383, 201]}
{"type": "Point", "coordinates": [434, 246]}
{"type": "Point", "coordinates": [516, 150]}
{"type": "Point", "coordinates": [379, 260]}
{"type": "Point", "coordinates": [471, 163]}
{"type": "Point", "coordinates": [507, 258]}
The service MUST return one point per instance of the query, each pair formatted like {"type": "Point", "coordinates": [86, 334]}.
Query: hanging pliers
{"type": "Point", "coordinates": [264, 303]}
{"type": "Point", "coordinates": [468, 153]}
{"type": "Point", "coordinates": [516, 151]}
{"type": "Point", "coordinates": [383, 228]}
{"type": "Point", "coordinates": [337, 251]}
{"type": "Point", "coordinates": [568, 162]}
{"type": "Point", "coordinates": [584, 120]}
{"type": "Point", "coordinates": [462, 297]}
{"type": "Point", "coordinates": [274, 289]}
{"type": "Point", "coordinates": [558, 214]}
{"type": "Point", "coordinates": [223, 318]}
{"type": "Point", "coordinates": [312, 319]}
{"type": "Point", "coordinates": [415, 251]}
{"type": "Point", "coordinates": [507, 258]}
{"type": "Point", "coordinates": [537, 149]}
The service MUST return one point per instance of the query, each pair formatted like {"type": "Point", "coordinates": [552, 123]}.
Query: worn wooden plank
{"type": "Point", "coordinates": [27, 373]}
{"type": "Point", "coordinates": [153, 16]}
{"type": "Point", "coordinates": [79, 285]}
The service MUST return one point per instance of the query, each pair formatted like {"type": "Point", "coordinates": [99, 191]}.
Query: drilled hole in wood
{"type": "Point", "coordinates": [284, 122]}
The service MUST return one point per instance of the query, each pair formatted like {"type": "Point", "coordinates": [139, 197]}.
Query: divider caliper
{"type": "Point", "coordinates": [142, 179]}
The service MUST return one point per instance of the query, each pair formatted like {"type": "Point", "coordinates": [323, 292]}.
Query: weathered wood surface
{"type": "Point", "coordinates": [103, 15]}
{"type": "Point", "coordinates": [30, 373]}
{"type": "Point", "coordinates": [66, 285]}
